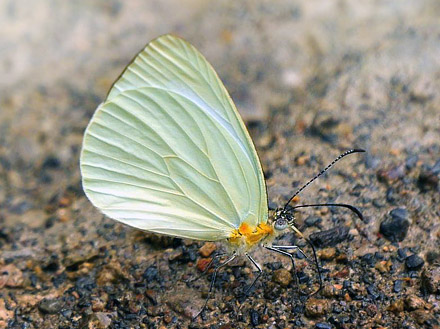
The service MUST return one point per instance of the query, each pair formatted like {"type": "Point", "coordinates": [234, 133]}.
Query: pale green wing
{"type": "Point", "coordinates": [168, 152]}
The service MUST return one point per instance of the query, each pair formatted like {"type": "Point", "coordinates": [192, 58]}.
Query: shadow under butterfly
{"type": "Point", "coordinates": [167, 152]}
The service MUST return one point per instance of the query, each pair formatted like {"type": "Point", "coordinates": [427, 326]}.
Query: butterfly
{"type": "Point", "coordinates": [167, 152]}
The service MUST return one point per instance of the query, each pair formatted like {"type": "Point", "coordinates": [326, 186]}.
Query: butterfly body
{"type": "Point", "coordinates": [248, 236]}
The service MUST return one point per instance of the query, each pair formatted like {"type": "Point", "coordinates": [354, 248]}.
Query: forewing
{"type": "Point", "coordinates": [168, 152]}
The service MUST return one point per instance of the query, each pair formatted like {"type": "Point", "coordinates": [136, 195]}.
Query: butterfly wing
{"type": "Point", "coordinates": [168, 152]}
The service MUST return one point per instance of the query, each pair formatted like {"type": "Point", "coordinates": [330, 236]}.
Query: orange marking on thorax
{"type": "Point", "coordinates": [250, 234]}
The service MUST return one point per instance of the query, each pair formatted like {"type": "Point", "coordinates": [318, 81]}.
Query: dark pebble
{"type": "Point", "coordinates": [255, 318]}
{"type": "Point", "coordinates": [299, 255]}
{"type": "Point", "coordinates": [436, 168]}
{"type": "Point", "coordinates": [346, 284]}
{"type": "Point", "coordinates": [427, 180]}
{"type": "Point", "coordinates": [50, 306]}
{"type": "Point", "coordinates": [302, 277]}
{"type": "Point", "coordinates": [323, 325]}
{"type": "Point", "coordinates": [431, 279]}
{"type": "Point", "coordinates": [330, 237]}
{"type": "Point", "coordinates": [391, 196]}
{"type": "Point", "coordinates": [373, 292]}
{"type": "Point", "coordinates": [371, 162]}
{"type": "Point", "coordinates": [150, 274]}
{"type": "Point", "coordinates": [312, 221]}
{"type": "Point", "coordinates": [395, 226]}
{"type": "Point", "coordinates": [324, 125]}
{"type": "Point", "coordinates": [66, 313]}
{"type": "Point", "coordinates": [21, 207]}
{"type": "Point", "coordinates": [411, 161]}
{"type": "Point", "coordinates": [273, 266]}
{"type": "Point", "coordinates": [432, 256]}
{"type": "Point", "coordinates": [369, 259]}
{"type": "Point", "coordinates": [414, 262]}
{"type": "Point", "coordinates": [402, 254]}
{"type": "Point", "coordinates": [397, 286]}
{"type": "Point", "coordinates": [51, 162]}
{"type": "Point", "coordinates": [378, 203]}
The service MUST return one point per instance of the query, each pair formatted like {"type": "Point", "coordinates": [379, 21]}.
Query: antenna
{"type": "Point", "coordinates": [322, 172]}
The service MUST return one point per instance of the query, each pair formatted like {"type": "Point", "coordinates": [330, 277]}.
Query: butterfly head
{"type": "Point", "coordinates": [283, 219]}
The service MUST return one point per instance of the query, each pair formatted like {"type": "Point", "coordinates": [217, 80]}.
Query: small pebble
{"type": "Point", "coordinates": [391, 174]}
{"type": "Point", "coordinates": [411, 161]}
{"type": "Point", "coordinates": [282, 277]}
{"type": "Point", "coordinates": [369, 259]}
{"type": "Point", "coordinates": [50, 306]}
{"type": "Point", "coordinates": [51, 162]}
{"type": "Point", "coordinates": [152, 296]}
{"type": "Point", "coordinates": [302, 160]}
{"type": "Point", "coordinates": [427, 180]}
{"type": "Point", "coordinates": [255, 318]}
{"type": "Point", "coordinates": [373, 292]}
{"type": "Point", "coordinates": [312, 221]}
{"type": "Point", "coordinates": [344, 273]}
{"type": "Point", "coordinates": [167, 319]}
{"type": "Point", "coordinates": [327, 253]}
{"type": "Point", "coordinates": [397, 306]}
{"type": "Point", "coordinates": [402, 254]}
{"type": "Point", "coordinates": [395, 226]}
{"type": "Point", "coordinates": [175, 254]}
{"type": "Point", "coordinates": [413, 302]}
{"type": "Point", "coordinates": [150, 274]}
{"type": "Point", "coordinates": [11, 276]}
{"type": "Point", "coordinates": [323, 325]}
{"type": "Point", "coordinates": [398, 286]}
{"type": "Point", "coordinates": [391, 196]}
{"type": "Point", "coordinates": [331, 291]}
{"type": "Point", "coordinates": [317, 307]}
{"type": "Point", "coordinates": [207, 249]}
{"type": "Point", "coordinates": [436, 168]}
{"type": "Point", "coordinates": [342, 258]}
{"type": "Point", "coordinates": [414, 262]}
{"type": "Point", "coordinates": [383, 266]}
{"type": "Point", "coordinates": [431, 279]}
{"type": "Point", "coordinates": [203, 263]}
{"type": "Point", "coordinates": [97, 304]}
{"type": "Point", "coordinates": [99, 320]}
{"type": "Point", "coordinates": [425, 318]}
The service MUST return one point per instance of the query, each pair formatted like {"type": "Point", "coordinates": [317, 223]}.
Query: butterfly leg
{"type": "Point", "coordinates": [281, 250]}
{"type": "Point", "coordinates": [291, 248]}
{"type": "Point", "coordinates": [260, 271]}
{"type": "Point", "coordinates": [214, 276]}
{"type": "Point", "coordinates": [285, 253]}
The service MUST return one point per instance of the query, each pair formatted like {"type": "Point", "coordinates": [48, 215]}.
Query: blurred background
{"type": "Point", "coordinates": [310, 78]}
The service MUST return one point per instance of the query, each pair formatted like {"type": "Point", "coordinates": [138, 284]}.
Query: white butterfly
{"type": "Point", "coordinates": [167, 152]}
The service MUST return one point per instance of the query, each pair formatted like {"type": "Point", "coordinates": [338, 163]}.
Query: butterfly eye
{"type": "Point", "coordinates": [281, 224]}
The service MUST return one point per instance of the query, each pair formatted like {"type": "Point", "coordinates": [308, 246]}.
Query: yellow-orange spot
{"type": "Point", "coordinates": [245, 229]}
{"type": "Point", "coordinates": [250, 235]}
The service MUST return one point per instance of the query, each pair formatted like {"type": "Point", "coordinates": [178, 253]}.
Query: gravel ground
{"type": "Point", "coordinates": [311, 79]}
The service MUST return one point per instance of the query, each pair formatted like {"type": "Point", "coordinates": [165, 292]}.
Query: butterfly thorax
{"type": "Point", "coordinates": [247, 235]}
